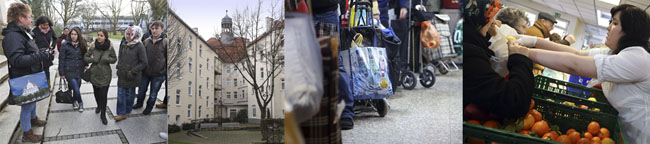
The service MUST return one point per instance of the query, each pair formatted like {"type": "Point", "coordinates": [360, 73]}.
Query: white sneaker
{"type": "Point", "coordinates": [75, 105]}
{"type": "Point", "coordinates": [163, 135]}
{"type": "Point", "coordinates": [81, 107]}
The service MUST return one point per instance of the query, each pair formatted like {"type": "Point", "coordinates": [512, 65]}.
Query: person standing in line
{"type": "Point", "coordinates": [101, 54]}
{"type": "Point", "coordinates": [542, 28]}
{"type": "Point", "coordinates": [72, 65]}
{"type": "Point", "coordinates": [44, 36]}
{"type": "Point", "coordinates": [23, 58]}
{"type": "Point", "coordinates": [132, 59]}
{"type": "Point", "coordinates": [156, 72]}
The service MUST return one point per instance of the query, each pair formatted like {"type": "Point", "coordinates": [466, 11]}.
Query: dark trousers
{"type": "Point", "coordinates": [100, 96]}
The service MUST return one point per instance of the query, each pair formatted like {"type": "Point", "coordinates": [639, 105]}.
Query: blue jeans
{"type": "Point", "coordinates": [74, 84]}
{"type": "Point", "coordinates": [145, 81]}
{"type": "Point", "coordinates": [125, 100]}
{"type": "Point", "coordinates": [27, 113]}
{"type": "Point", "coordinates": [345, 94]}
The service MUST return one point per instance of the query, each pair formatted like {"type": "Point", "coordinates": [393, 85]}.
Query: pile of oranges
{"type": "Point", "coordinates": [533, 125]}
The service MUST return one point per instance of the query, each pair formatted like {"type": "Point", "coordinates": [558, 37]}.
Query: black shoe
{"type": "Point", "coordinates": [347, 123]}
{"type": "Point", "coordinates": [137, 106]}
{"type": "Point", "coordinates": [103, 117]}
{"type": "Point", "coordinates": [97, 110]}
{"type": "Point", "coordinates": [147, 110]}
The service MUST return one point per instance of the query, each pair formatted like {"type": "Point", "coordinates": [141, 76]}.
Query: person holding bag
{"type": "Point", "coordinates": [101, 54]}
{"type": "Point", "coordinates": [72, 65]}
{"type": "Point", "coordinates": [24, 58]}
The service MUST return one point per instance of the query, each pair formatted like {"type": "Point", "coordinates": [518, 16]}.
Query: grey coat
{"type": "Point", "coordinates": [131, 59]}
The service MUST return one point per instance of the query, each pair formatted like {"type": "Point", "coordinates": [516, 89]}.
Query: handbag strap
{"type": "Point", "coordinates": [64, 81]}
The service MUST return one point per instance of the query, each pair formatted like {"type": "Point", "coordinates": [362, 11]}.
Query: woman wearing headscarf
{"type": "Point", "coordinates": [482, 86]}
{"type": "Point", "coordinates": [132, 59]}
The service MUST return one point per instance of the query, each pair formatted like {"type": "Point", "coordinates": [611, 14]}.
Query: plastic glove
{"type": "Point", "coordinates": [526, 40]}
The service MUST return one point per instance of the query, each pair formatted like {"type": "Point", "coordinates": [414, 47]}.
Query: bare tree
{"type": "Point", "coordinates": [87, 16]}
{"type": "Point", "coordinates": [158, 9]}
{"type": "Point", "coordinates": [265, 51]}
{"type": "Point", "coordinates": [67, 10]}
{"type": "Point", "coordinates": [36, 5]}
{"type": "Point", "coordinates": [138, 9]}
{"type": "Point", "coordinates": [112, 12]}
{"type": "Point", "coordinates": [175, 50]}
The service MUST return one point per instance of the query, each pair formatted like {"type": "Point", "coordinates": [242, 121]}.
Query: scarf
{"type": "Point", "coordinates": [44, 31]}
{"type": "Point", "coordinates": [103, 46]}
{"type": "Point", "coordinates": [74, 43]}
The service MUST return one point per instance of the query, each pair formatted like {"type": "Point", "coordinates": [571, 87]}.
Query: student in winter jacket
{"type": "Point", "coordinates": [156, 72]}
{"type": "Point", "coordinates": [24, 58]}
{"type": "Point", "coordinates": [72, 65]}
{"type": "Point", "coordinates": [621, 68]}
{"type": "Point", "coordinates": [132, 59]}
{"type": "Point", "coordinates": [44, 36]}
{"type": "Point", "coordinates": [61, 38]}
{"type": "Point", "coordinates": [101, 54]}
{"type": "Point", "coordinates": [482, 86]}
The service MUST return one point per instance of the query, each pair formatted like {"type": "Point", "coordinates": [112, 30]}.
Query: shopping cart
{"type": "Point", "coordinates": [442, 57]}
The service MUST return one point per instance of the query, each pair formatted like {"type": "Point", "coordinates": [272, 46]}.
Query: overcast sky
{"type": "Point", "coordinates": [206, 14]}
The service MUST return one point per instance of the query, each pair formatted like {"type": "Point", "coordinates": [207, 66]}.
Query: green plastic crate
{"type": "Point", "coordinates": [559, 98]}
{"type": "Point", "coordinates": [560, 87]}
{"type": "Point", "coordinates": [564, 116]}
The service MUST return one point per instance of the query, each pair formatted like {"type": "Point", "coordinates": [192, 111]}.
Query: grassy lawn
{"type": "Point", "coordinates": [177, 142]}
{"type": "Point", "coordinates": [118, 36]}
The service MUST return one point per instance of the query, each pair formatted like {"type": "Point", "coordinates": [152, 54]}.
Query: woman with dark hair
{"type": "Point", "coordinates": [622, 68]}
{"type": "Point", "coordinates": [44, 36]}
{"type": "Point", "coordinates": [23, 58]}
{"type": "Point", "coordinates": [61, 38]}
{"type": "Point", "coordinates": [101, 54]}
{"type": "Point", "coordinates": [72, 65]}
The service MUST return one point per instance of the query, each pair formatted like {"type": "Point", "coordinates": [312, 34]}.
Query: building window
{"type": "Point", "coordinates": [242, 94]}
{"type": "Point", "coordinates": [228, 82]}
{"type": "Point", "coordinates": [199, 111]}
{"type": "Point", "coordinates": [235, 81]}
{"type": "Point", "coordinates": [178, 118]}
{"type": "Point", "coordinates": [227, 69]}
{"type": "Point", "coordinates": [201, 50]}
{"type": "Point", "coordinates": [189, 111]}
{"type": "Point", "coordinates": [200, 90]}
{"type": "Point", "coordinates": [282, 83]}
{"type": "Point", "coordinates": [207, 83]}
{"type": "Point", "coordinates": [178, 71]}
{"type": "Point", "coordinates": [178, 97]}
{"type": "Point", "coordinates": [207, 62]}
{"type": "Point", "coordinates": [178, 45]}
{"type": "Point", "coordinates": [207, 101]}
{"type": "Point", "coordinates": [227, 94]}
{"type": "Point", "coordinates": [262, 70]}
{"type": "Point", "coordinates": [201, 70]}
{"type": "Point", "coordinates": [235, 94]}
{"type": "Point", "coordinates": [190, 42]}
{"type": "Point", "coordinates": [189, 88]}
{"type": "Point", "coordinates": [254, 111]}
{"type": "Point", "coordinates": [190, 66]}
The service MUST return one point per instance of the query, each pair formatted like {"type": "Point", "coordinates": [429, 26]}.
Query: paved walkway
{"type": "Point", "coordinates": [421, 115]}
{"type": "Point", "coordinates": [66, 125]}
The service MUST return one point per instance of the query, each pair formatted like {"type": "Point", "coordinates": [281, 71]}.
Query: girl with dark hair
{"type": "Point", "coordinates": [44, 36]}
{"type": "Point", "coordinates": [101, 54]}
{"type": "Point", "coordinates": [72, 65]}
{"type": "Point", "coordinates": [622, 68]}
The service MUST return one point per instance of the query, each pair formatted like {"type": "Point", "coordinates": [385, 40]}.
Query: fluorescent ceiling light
{"type": "Point", "coordinates": [614, 2]}
{"type": "Point", "coordinates": [603, 18]}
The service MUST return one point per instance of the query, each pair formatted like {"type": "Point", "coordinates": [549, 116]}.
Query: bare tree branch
{"type": "Point", "coordinates": [112, 14]}
{"type": "Point", "coordinates": [138, 10]}
{"type": "Point", "coordinates": [67, 10]}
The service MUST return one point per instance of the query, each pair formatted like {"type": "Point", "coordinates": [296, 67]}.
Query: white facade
{"type": "Point", "coordinates": [192, 94]}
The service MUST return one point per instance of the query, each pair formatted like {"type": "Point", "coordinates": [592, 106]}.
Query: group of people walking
{"type": "Point", "coordinates": [141, 62]}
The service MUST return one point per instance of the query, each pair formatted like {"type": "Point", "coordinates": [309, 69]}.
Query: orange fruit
{"type": "Point", "coordinates": [492, 124]}
{"type": "Point", "coordinates": [563, 139]}
{"type": "Point", "coordinates": [583, 141]}
{"type": "Point", "coordinates": [532, 104]}
{"type": "Point", "coordinates": [540, 127]}
{"type": "Point", "coordinates": [569, 131]}
{"type": "Point", "coordinates": [587, 135]}
{"type": "Point", "coordinates": [574, 136]}
{"type": "Point", "coordinates": [604, 133]}
{"type": "Point", "coordinates": [554, 135]}
{"type": "Point", "coordinates": [595, 140]}
{"type": "Point", "coordinates": [529, 120]}
{"type": "Point", "coordinates": [548, 136]}
{"type": "Point", "coordinates": [608, 141]}
{"type": "Point", "coordinates": [536, 114]}
{"type": "Point", "coordinates": [474, 122]}
{"type": "Point", "coordinates": [525, 132]}
{"type": "Point", "coordinates": [593, 128]}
